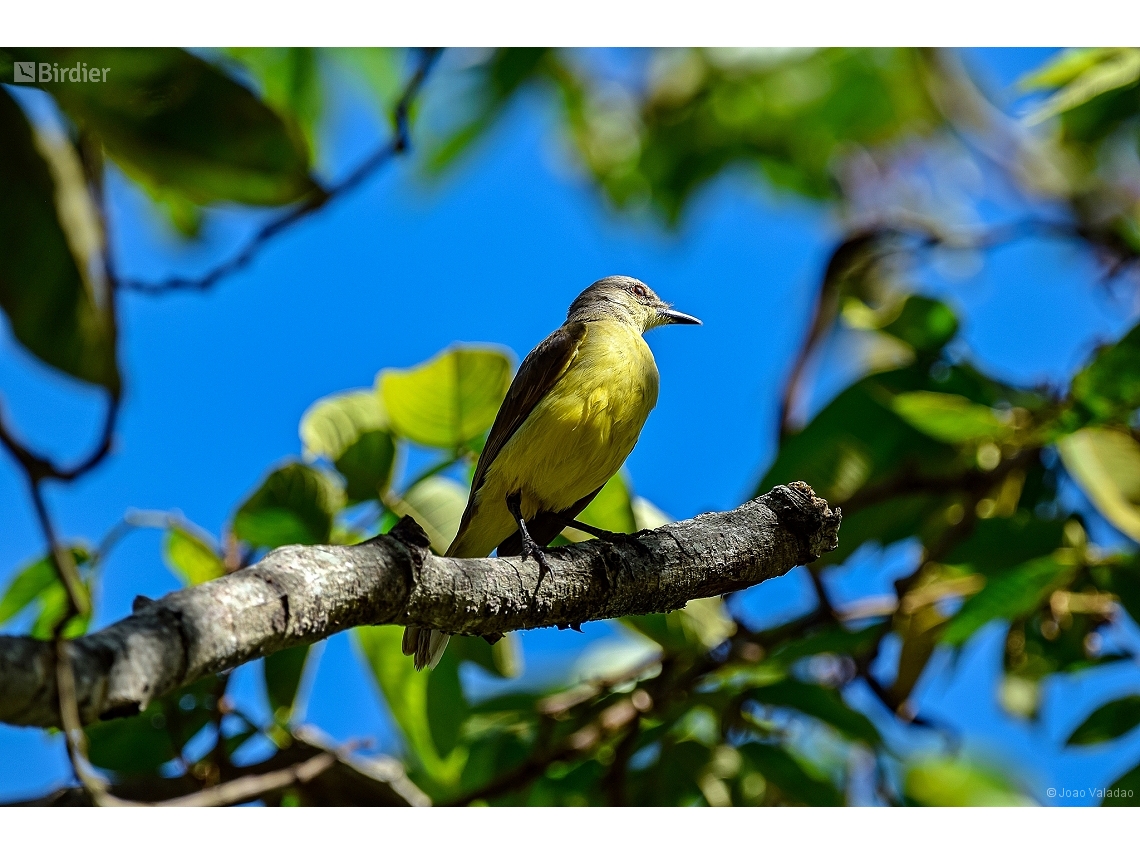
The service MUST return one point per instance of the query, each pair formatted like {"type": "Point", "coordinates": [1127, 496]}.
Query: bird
{"type": "Point", "coordinates": [571, 416]}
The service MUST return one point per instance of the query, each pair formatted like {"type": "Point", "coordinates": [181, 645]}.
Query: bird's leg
{"type": "Point", "coordinates": [530, 549]}
{"type": "Point", "coordinates": [600, 533]}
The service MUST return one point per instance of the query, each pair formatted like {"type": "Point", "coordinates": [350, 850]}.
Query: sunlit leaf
{"type": "Point", "coordinates": [351, 430]}
{"type": "Point", "coordinates": [410, 697]}
{"type": "Point", "coordinates": [295, 504]}
{"type": "Point", "coordinates": [949, 418]}
{"type": "Point", "coordinates": [1110, 721]}
{"type": "Point", "coordinates": [190, 558]}
{"type": "Point", "coordinates": [437, 504]}
{"type": "Point", "coordinates": [940, 782]}
{"type": "Point", "coordinates": [177, 121]}
{"type": "Point", "coordinates": [1110, 69]}
{"type": "Point", "coordinates": [52, 287]}
{"type": "Point", "coordinates": [1106, 464]}
{"type": "Point", "coordinates": [448, 400]}
{"type": "Point", "coordinates": [30, 582]}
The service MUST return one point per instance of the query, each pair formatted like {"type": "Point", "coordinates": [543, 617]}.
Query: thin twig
{"type": "Point", "coordinates": [399, 144]}
{"type": "Point", "coordinates": [252, 787]}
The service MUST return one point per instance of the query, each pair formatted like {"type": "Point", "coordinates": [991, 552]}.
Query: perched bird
{"type": "Point", "coordinates": [571, 417]}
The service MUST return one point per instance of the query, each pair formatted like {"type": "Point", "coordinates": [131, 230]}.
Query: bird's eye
{"type": "Point", "coordinates": [639, 291]}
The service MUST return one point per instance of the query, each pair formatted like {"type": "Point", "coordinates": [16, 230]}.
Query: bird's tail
{"type": "Point", "coordinates": [426, 645]}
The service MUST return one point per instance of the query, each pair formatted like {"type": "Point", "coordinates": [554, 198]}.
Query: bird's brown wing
{"type": "Point", "coordinates": [536, 376]}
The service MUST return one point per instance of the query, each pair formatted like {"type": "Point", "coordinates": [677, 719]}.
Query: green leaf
{"type": "Point", "coordinates": [288, 80]}
{"type": "Point", "coordinates": [141, 743]}
{"type": "Point", "coordinates": [295, 504]}
{"type": "Point", "coordinates": [30, 582]}
{"type": "Point", "coordinates": [54, 603]}
{"type": "Point", "coordinates": [1011, 594]}
{"type": "Point", "coordinates": [51, 284]}
{"type": "Point", "coordinates": [437, 504]}
{"type": "Point", "coordinates": [1000, 543]}
{"type": "Point", "coordinates": [821, 702]}
{"type": "Point", "coordinates": [940, 782]}
{"type": "Point", "coordinates": [1113, 719]}
{"type": "Point", "coordinates": [449, 400]}
{"type": "Point", "coordinates": [282, 672]}
{"type": "Point", "coordinates": [1110, 386]}
{"type": "Point", "coordinates": [351, 430]}
{"type": "Point", "coordinates": [380, 68]}
{"type": "Point", "coordinates": [1124, 791]}
{"type": "Point", "coordinates": [406, 692]}
{"type": "Point", "coordinates": [949, 418]}
{"type": "Point", "coordinates": [783, 770]}
{"type": "Point", "coordinates": [926, 325]}
{"type": "Point", "coordinates": [174, 120]}
{"type": "Point", "coordinates": [191, 558]}
{"type": "Point", "coordinates": [1111, 69]}
{"type": "Point", "coordinates": [1105, 462]}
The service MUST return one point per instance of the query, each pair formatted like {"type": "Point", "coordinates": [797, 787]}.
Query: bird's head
{"type": "Point", "coordinates": [625, 299]}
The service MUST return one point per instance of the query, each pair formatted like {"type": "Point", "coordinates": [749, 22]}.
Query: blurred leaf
{"type": "Point", "coordinates": [1110, 386]}
{"type": "Point", "coordinates": [351, 430]}
{"type": "Point", "coordinates": [54, 604]}
{"type": "Point", "coordinates": [783, 770]}
{"type": "Point", "coordinates": [52, 287]}
{"type": "Point", "coordinates": [448, 400]}
{"type": "Point", "coordinates": [379, 67]}
{"type": "Point", "coordinates": [407, 693]}
{"type": "Point", "coordinates": [926, 325]}
{"type": "Point", "coordinates": [1105, 462]}
{"type": "Point", "coordinates": [282, 672]}
{"type": "Point", "coordinates": [295, 504]}
{"type": "Point", "coordinates": [489, 86]}
{"type": "Point", "coordinates": [794, 114]}
{"type": "Point", "coordinates": [949, 418]}
{"type": "Point", "coordinates": [1002, 542]}
{"type": "Point", "coordinates": [504, 658]}
{"type": "Point", "coordinates": [821, 702]}
{"type": "Point", "coordinates": [334, 423]}
{"type": "Point", "coordinates": [828, 640]}
{"type": "Point", "coordinates": [1009, 594]}
{"type": "Point", "coordinates": [940, 782]}
{"type": "Point", "coordinates": [437, 504]}
{"type": "Point", "coordinates": [1114, 719]}
{"type": "Point", "coordinates": [1124, 791]}
{"type": "Point", "coordinates": [289, 81]}
{"type": "Point", "coordinates": [30, 582]}
{"type": "Point", "coordinates": [174, 120]}
{"type": "Point", "coordinates": [1098, 73]}
{"type": "Point", "coordinates": [190, 558]}
{"type": "Point", "coordinates": [142, 743]}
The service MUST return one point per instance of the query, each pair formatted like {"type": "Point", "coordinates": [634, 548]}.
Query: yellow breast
{"type": "Point", "coordinates": [579, 434]}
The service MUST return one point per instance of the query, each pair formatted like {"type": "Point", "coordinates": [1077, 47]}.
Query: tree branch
{"type": "Point", "coordinates": [300, 594]}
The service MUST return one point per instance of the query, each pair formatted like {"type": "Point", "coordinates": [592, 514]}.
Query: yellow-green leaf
{"type": "Point", "coordinates": [448, 400]}
{"type": "Point", "coordinates": [941, 782]}
{"type": "Point", "coordinates": [295, 504]}
{"type": "Point", "coordinates": [190, 557]}
{"type": "Point", "coordinates": [437, 504]}
{"type": "Point", "coordinates": [1106, 464]}
{"type": "Point", "coordinates": [949, 418]}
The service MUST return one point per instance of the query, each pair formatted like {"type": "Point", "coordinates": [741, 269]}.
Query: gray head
{"type": "Point", "coordinates": [625, 299]}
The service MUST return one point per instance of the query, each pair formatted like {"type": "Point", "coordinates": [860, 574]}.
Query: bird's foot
{"type": "Point", "coordinates": [586, 528]}
{"type": "Point", "coordinates": [530, 549]}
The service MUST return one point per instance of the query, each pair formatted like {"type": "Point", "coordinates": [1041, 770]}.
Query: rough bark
{"type": "Point", "coordinates": [300, 594]}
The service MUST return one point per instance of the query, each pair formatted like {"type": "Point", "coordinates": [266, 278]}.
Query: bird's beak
{"type": "Point", "coordinates": [672, 316]}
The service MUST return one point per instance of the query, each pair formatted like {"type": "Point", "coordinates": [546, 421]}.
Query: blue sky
{"type": "Point", "coordinates": [494, 252]}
